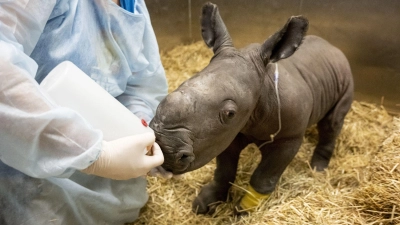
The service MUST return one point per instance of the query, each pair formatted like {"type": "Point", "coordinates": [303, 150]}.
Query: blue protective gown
{"type": "Point", "coordinates": [43, 146]}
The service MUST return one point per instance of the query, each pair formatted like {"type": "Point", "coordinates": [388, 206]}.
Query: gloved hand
{"type": "Point", "coordinates": [126, 157]}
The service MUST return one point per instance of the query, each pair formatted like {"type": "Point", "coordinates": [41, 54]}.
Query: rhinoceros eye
{"type": "Point", "coordinates": [228, 111]}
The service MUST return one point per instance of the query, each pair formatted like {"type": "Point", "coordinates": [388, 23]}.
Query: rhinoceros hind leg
{"type": "Point", "coordinates": [329, 128]}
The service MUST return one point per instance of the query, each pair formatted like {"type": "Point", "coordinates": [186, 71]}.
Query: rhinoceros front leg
{"type": "Point", "coordinates": [225, 173]}
{"type": "Point", "coordinates": [275, 158]}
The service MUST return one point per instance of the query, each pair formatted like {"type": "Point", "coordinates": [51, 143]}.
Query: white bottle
{"type": "Point", "coordinates": [70, 87]}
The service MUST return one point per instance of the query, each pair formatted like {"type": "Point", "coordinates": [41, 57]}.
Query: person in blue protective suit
{"type": "Point", "coordinates": [54, 167]}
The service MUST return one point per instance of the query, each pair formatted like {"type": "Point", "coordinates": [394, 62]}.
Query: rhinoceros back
{"type": "Point", "coordinates": [326, 71]}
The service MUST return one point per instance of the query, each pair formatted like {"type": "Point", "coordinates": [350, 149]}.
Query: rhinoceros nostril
{"type": "Point", "coordinates": [184, 158]}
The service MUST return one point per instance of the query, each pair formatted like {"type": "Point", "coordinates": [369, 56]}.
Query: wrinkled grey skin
{"type": "Point", "coordinates": [232, 103]}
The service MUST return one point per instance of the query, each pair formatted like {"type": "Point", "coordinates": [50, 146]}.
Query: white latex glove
{"type": "Point", "coordinates": [126, 158]}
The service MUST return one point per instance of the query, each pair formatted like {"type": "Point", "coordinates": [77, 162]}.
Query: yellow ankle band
{"type": "Point", "coordinates": [252, 199]}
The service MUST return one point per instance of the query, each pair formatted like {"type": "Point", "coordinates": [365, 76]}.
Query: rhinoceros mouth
{"type": "Point", "coordinates": [177, 171]}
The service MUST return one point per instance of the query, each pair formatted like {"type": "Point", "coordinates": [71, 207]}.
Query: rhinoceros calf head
{"type": "Point", "coordinates": [199, 120]}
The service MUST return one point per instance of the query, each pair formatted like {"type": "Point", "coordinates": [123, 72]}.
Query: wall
{"type": "Point", "coordinates": [366, 31]}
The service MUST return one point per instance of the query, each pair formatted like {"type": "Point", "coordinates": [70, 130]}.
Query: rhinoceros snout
{"type": "Point", "coordinates": [176, 145]}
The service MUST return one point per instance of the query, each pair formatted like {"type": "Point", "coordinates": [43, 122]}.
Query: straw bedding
{"type": "Point", "coordinates": [361, 185]}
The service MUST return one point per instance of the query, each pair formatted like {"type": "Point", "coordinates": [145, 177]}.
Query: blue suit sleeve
{"type": "Point", "coordinates": [148, 85]}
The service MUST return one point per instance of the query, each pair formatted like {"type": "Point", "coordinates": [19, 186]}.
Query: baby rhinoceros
{"type": "Point", "coordinates": [267, 94]}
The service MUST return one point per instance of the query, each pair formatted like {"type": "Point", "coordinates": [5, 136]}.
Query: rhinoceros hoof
{"type": "Point", "coordinates": [209, 198]}
{"type": "Point", "coordinates": [319, 165]}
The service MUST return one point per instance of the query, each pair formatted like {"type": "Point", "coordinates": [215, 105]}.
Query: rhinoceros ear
{"type": "Point", "coordinates": [213, 29]}
{"type": "Point", "coordinates": [286, 41]}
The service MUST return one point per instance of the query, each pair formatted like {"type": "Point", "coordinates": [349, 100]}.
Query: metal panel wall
{"type": "Point", "coordinates": [367, 31]}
